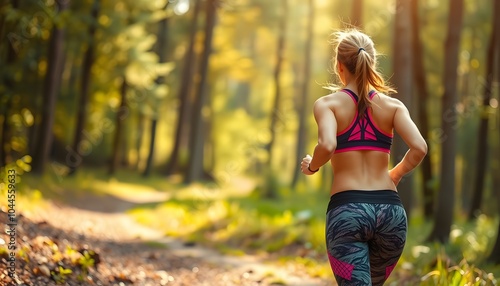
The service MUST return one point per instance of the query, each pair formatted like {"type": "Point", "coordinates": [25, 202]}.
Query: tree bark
{"type": "Point", "coordinates": [121, 114]}
{"type": "Point", "coordinates": [402, 70]}
{"type": "Point", "coordinates": [149, 162]}
{"type": "Point", "coordinates": [138, 139]}
{"type": "Point", "coordinates": [182, 127]}
{"type": "Point", "coordinates": [443, 216]}
{"type": "Point", "coordinates": [494, 256]}
{"type": "Point", "coordinates": [9, 84]}
{"type": "Point", "coordinates": [471, 81]}
{"type": "Point", "coordinates": [303, 102]}
{"type": "Point", "coordinates": [197, 139]}
{"type": "Point", "coordinates": [162, 58]}
{"type": "Point", "coordinates": [4, 147]}
{"type": "Point", "coordinates": [277, 82]}
{"type": "Point", "coordinates": [357, 13]}
{"type": "Point", "coordinates": [50, 91]}
{"type": "Point", "coordinates": [482, 148]}
{"type": "Point", "coordinates": [423, 94]}
{"type": "Point", "coordinates": [88, 62]}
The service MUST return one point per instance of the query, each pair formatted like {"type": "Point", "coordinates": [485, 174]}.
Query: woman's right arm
{"type": "Point", "coordinates": [406, 128]}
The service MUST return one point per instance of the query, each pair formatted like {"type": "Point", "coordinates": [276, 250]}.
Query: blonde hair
{"type": "Point", "coordinates": [356, 51]}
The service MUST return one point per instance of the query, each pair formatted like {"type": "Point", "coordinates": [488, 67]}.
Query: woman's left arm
{"type": "Point", "coordinates": [327, 137]}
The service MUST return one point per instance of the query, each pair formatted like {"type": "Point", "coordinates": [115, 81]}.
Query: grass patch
{"type": "Point", "coordinates": [156, 244]}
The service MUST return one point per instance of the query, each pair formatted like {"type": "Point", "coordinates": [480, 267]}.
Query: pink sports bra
{"type": "Point", "coordinates": [362, 133]}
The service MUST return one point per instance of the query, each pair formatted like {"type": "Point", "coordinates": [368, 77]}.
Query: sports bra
{"type": "Point", "coordinates": [362, 133]}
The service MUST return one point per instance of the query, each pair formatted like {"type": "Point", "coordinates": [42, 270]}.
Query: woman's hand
{"type": "Point", "coordinates": [394, 177]}
{"type": "Point", "coordinates": [304, 165]}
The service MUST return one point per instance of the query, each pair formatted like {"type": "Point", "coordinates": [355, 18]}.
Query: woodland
{"type": "Point", "coordinates": [208, 105]}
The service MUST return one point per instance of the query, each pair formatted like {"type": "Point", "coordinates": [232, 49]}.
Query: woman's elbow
{"type": "Point", "coordinates": [421, 148]}
{"type": "Point", "coordinates": [328, 146]}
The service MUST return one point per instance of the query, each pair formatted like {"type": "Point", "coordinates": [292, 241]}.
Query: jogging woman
{"type": "Point", "coordinates": [366, 223]}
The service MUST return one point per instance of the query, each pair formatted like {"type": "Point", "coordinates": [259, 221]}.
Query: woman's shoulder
{"type": "Point", "coordinates": [336, 97]}
{"type": "Point", "coordinates": [389, 100]}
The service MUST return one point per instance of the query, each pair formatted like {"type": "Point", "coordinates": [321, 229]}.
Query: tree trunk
{"type": "Point", "coordinates": [181, 130]}
{"type": "Point", "coordinates": [494, 256]}
{"type": "Point", "coordinates": [402, 70]}
{"type": "Point", "coordinates": [277, 74]}
{"type": "Point", "coordinates": [470, 89]}
{"type": "Point", "coordinates": [88, 61]}
{"type": "Point", "coordinates": [421, 84]}
{"type": "Point", "coordinates": [482, 148]}
{"type": "Point", "coordinates": [357, 13]}
{"type": "Point", "coordinates": [120, 117]}
{"type": "Point", "coordinates": [5, 147]}
{"type": "Point", "coordinates": [443, 216]}
{"type": "Point", "coordinates": [138, 139]}
{"type": "Point", "coordinates": [162, 58]}
{"type": "Point", "coordinates": [149, 162]}
{"type": "Point", "coordinates": [50, 91]}
{"type": "Point", "coordinates": [303, 102]}
{"type": "Point", "coordinates": [9, 85]}
{"type": "Point", "coordinates": [196, 143]}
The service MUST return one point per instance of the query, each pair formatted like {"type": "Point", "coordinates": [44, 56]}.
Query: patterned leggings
{"type": "Point", "coordinates": [365, 236]}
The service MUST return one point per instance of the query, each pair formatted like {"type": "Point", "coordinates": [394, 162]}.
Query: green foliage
{"type": "Point", "coordinates": [461, 274]}
{"type": "Point", "coordinates": [86, 262]}
{"type": "Point", "coordinates": [61, 275]}
{"type": "Point", "coordinates": [241, 89]}
{"type": "Point", "coordinates": [17, 169]}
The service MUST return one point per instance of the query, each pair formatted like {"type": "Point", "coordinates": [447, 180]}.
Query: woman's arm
{"type": "Point", "coordinates": [406, 128]}
{"type": "Point", "coordinates": [327, 137]}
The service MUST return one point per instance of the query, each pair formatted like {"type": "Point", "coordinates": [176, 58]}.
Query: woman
{"type": "Point", "coordinates": [366, 223]}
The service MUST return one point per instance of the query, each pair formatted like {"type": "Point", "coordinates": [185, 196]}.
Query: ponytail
{"type": "Point", "coordinates": [362, 73]}
{"type": "Point", "coordinates": [356, 51]}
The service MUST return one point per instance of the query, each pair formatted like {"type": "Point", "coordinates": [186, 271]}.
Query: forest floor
{"type": "Point", "coordinates": [58, 241]}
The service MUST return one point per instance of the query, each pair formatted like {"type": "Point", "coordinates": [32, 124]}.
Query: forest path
{"type": "Point", "coordinates": [103, 219]}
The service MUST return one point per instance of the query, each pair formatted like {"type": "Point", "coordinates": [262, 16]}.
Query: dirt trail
{"type": "Point", "coordinates": [101, 222]}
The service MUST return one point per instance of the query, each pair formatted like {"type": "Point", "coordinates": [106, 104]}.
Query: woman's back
{"type": "Point", "coordinates": [362, 169]}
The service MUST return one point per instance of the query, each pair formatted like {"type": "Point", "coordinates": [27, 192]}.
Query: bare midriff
{"type": "Point", "coordinates": [361, 170]}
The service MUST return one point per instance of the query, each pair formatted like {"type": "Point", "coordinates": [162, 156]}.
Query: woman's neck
{"type": "Point", "coordinates": [351, 86]}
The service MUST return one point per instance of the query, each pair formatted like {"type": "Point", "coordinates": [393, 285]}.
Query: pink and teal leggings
{"type": "Point", "coordinates": [365, 236]}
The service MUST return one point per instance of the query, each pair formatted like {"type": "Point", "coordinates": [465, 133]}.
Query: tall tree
{"type": "Point", "coordinates": [303, 101]}
{"type": "Point", "coordinates": [121, 115]}
{"type": "Point", "coordinates": [423, 94]}
{"type": "Point", "coordinates": [275, 112]}
{"type": "Point", "coordinates": [138, 138]}
{"type": "Point", "coordinates": [7, 96]}
{"type": "Point", "coordinates": [160, 80]}
{"type": "Point", "coordinates": [443, 216]}
{"type": "Point", "coordinates": [402, 70]}
{"type": "Point", "coordinates": [88, 62]}
{"type": "Point", "coordinates": [50, 92]}
{"type": "Point", "coordinates": [181, 129]}
{"type": "Point", "coordinates": [494, 256]}
{"type": "Point", "coordinates": [482, 137]}
{"type": "Point", "coordinates": [195, 168]}
{"type": "Point", "coordinates": [357, 13]}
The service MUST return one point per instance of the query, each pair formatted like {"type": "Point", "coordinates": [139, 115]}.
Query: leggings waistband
{"type": "Point", "coordinates": [368, 197]}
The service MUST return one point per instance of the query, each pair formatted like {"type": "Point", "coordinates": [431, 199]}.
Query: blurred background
{"type": "Point", "coordinates": [210, 103]}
